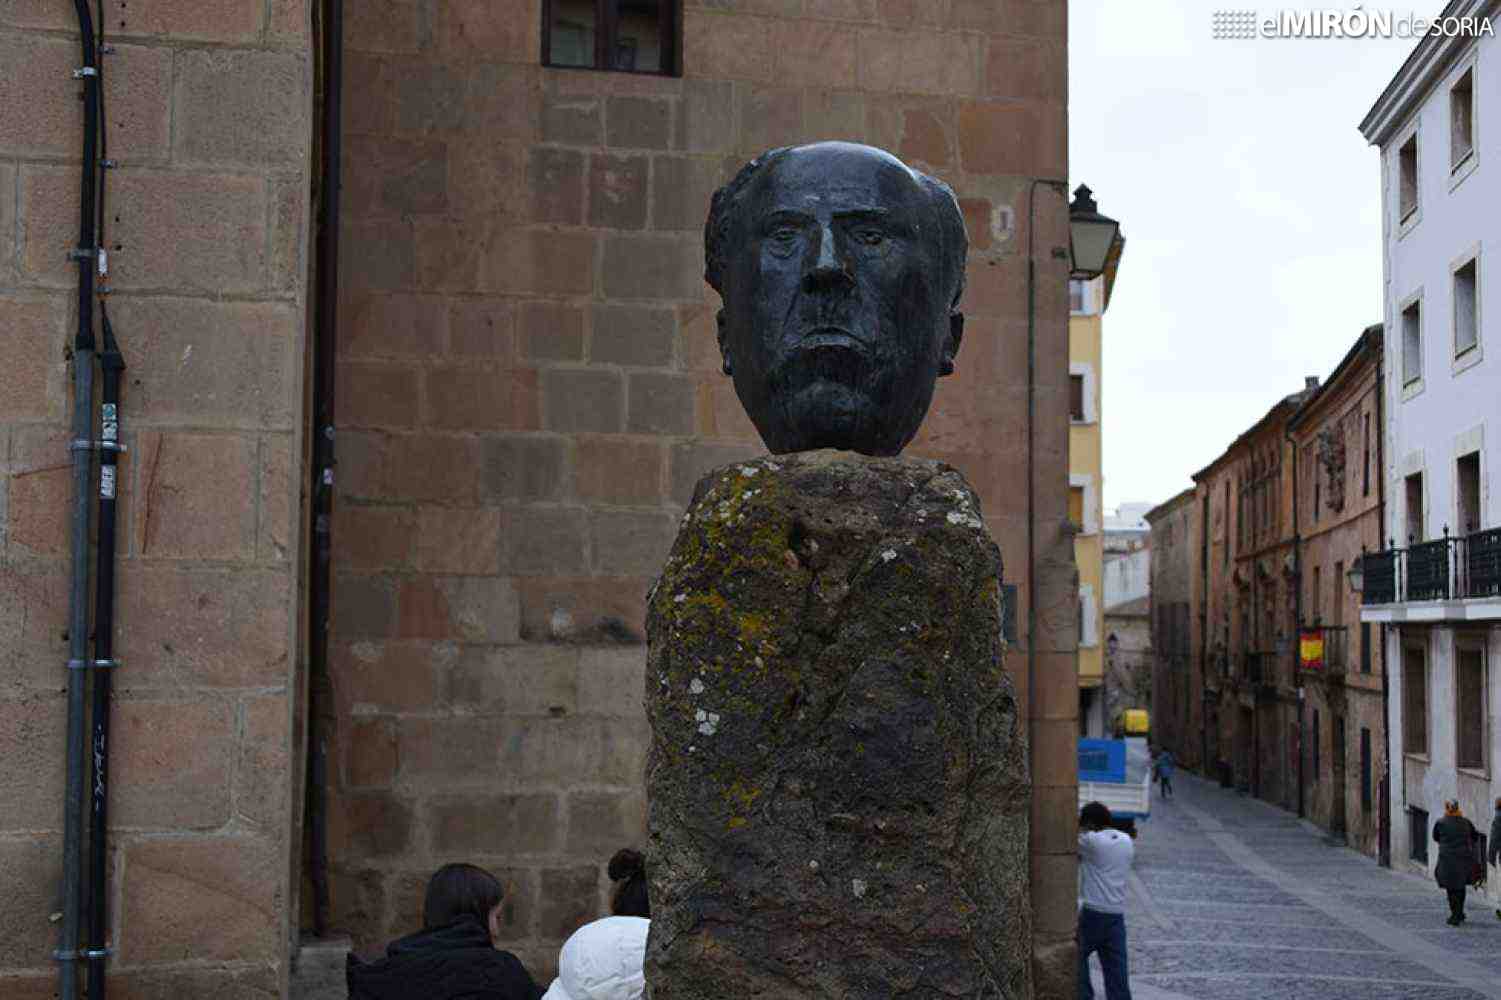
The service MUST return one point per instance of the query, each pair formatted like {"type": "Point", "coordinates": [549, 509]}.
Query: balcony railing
{"type": "Point", "coordinates": [1443, 569]}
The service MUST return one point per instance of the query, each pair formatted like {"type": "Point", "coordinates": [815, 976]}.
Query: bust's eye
{"type": "Point", "coordinates": [784, 234]}
{"type": "Point", "coordinates": [869, 237]}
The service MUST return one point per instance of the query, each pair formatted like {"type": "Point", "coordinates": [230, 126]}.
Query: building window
{"type": "Point", "coordinates": [1462, 119]}
{"type": "Point", "coordinates": [1466, 311]}
{"type": "Point", "coordinates": [1227, 523]}
{"type": "Point", "coordinates": [1417, 835]}
{"type": "Point", "coordinates": [1365, 647]}
{"type": "Point", "coordinates": [1076, 397]}
{"type": "Point", "coordinates": [1467, 473]}
{"type": "Point", "coordinates": [1470, 705]}
{"type": "Point", "coordinates": [1076, 506]}
{"type": "Point", "coordinates": [1337, 609]}
{"type": "Point", "coordinates": [1077, 299]}
{"type": "Point", "coordinates": [1407, 178]}
{"type": "Point", "coordinates": [1317, 492]}
{"type": "Point", "coordinates": [1414, 700]}
{"type": "Point", "coordinates": [1414, 490]}
{"type": "Point", "coordinates": [629, 36]}
{"type": "Point", "coordinates": [1365, 475]}
{"type": "Point", "coordinates": [1365, 769]}
{"type": "Point", "coordinates": [1314, 596]}
{"type": "Point", "coordinates": [1412, 343]}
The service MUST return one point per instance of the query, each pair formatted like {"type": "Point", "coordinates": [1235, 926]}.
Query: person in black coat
{"type": "Point", "coordinates": [1456, 858]}
{"type": "Point", "coordinates": [454, 956]}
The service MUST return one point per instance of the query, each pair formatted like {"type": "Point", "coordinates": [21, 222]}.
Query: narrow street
{"type": "Point", "coordinates": [1233, 899]}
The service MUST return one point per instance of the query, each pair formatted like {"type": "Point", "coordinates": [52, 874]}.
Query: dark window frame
{"type": "Point", "coordinates": [606, 27]}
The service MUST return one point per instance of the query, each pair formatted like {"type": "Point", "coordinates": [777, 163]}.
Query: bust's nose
{"type": "Point", "coordinates": [825, 270]}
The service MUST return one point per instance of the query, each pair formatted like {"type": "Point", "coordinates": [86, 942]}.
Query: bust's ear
{"type": "Point", "coordinates": [951, 344]}
{"type": "Point", "coordinates": [724, 351]}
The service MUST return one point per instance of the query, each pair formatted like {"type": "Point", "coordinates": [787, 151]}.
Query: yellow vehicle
{"type": "Point", "coordinates": [1133, 722]}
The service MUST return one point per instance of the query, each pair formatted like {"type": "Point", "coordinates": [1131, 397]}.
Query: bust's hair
{"type": "Point", "coordinates": [726, 207]}
{"type": "Point", "coordinates": [628, 871]}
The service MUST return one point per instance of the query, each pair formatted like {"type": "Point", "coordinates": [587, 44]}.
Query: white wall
{"type": "Point", "coordinates": [1453, 410]}
{"type": "Point", "coordinates": [1127, 576]}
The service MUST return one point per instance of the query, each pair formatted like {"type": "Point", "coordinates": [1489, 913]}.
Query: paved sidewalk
{"type": "Point", "coordinates": [1234, 899]}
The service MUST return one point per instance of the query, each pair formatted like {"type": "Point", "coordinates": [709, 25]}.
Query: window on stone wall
{"type": "Point", "coordinates": [1315, 594]}
{"type": "Point", "coordinates": [1412, 343]}
{"type": "Point", "coordinates": [1467, 472]}
{"type": "Point", "coordinates": [1470, 691]}
{"type": "Point", "coordinates": [1414, 700]}
{"type": "Point", "coordinates": [1337, 608]}
{"type": "Point", "coordinates": [1365, 475]}
{"type": "Point", "coordinates": [1462, 119]}
{"type": "Point", "coordinates": [1466, 313]}
{"type": "Point", "coordinates": [628, 36]}
{"type": "Point", "coordinates": [1365, 769]}
{"type": "Point", "coordinates": [1365, 647]}
{"type": "Point", "coordinates": [1076, 506]}
{"type": "Point", "coordinates": [1407, 178]}
{"type": "Point", "coordinates": [1076, 397]}
{"type": "Point", "coordinates": [1414, 497]}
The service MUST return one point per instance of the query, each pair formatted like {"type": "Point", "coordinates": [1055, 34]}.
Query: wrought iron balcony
{"type": "Point", "coordinates": [1452, 567]}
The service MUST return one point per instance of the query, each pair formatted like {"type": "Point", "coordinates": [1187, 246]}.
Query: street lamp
{"type": "Point", "coordinates": [1090, 235]}
{"type": "Point", "coordinates": [1356, 574]}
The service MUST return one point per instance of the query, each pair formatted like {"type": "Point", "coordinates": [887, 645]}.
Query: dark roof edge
{"type": "Point", "coordinates": [1167, 506]}
{"type": "Point", "coordinates": [1428, 60]}
{"type": "Point", "coordinates": [1370, 341]}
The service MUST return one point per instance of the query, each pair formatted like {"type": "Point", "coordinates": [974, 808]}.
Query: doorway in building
{"type": "Point", "coordinates": [1244, 749]}
{"type": "Point", "coordinates": [1337, 779]}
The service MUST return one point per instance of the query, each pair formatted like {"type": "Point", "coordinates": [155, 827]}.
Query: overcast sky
{"type": "Point", "coordinates": [1251, 208]}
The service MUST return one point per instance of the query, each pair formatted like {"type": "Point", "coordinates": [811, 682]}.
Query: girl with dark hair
{"type": "Point", "coordinates": [603, 960]}
{"type": "Point", "coordinates": [454, 956]}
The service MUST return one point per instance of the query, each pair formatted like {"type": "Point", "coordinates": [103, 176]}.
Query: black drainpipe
{"type": "Point", "coordinates": [321, 489]}
{"type": "Point", "coordinates": [1384, 837]}
{"type": "Point", "coordinates": [82, 447]}
{"type": "Point", "coordinates": [112, 364]}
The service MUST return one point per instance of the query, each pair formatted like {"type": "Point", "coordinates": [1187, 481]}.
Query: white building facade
{"type": "Point", "coordinates": [1435, 589]}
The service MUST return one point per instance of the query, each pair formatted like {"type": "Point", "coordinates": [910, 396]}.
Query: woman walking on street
{"type": "Point", "coordinates": [1456, 858]}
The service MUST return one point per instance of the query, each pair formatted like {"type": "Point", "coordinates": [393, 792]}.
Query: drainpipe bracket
{"type": "Point", "coordinates": [84, 955]}
{"type": "Point", "coordinates": [83, 71]}
{"type": "Point", "coordinates": [84, 445]}
{"type": "Point", "coordinates": [92, 664]}
{"type": "Point", "coordinates": [83, 253]}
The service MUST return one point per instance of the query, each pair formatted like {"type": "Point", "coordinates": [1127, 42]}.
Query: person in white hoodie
{"type": "Point", "coordinates": [1105, 856]}
{"type": "Point", "coordinates": [603, 960]}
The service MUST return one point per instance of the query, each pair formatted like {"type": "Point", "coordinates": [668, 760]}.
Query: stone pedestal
{"type": "Point", "coordinates": [838, 778]}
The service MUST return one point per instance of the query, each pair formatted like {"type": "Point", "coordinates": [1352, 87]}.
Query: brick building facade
{"type": "Point", "coordinates": [527, 387]}
{"type": "Point", "coordinates": [1336, 438]}
{"type": "Point", "coordinates": [1177, 684]}
{"type": "Point", "coordinates": [1245, 604]}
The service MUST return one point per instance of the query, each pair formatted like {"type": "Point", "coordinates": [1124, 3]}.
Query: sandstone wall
{"type": "Point", "coordinates": [529, 388]}
{"type": "Point", "coordinates": [209, 107]}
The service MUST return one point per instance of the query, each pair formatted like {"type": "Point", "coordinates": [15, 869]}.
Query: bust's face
{"type": "Point", "coordinates": [835, 325]}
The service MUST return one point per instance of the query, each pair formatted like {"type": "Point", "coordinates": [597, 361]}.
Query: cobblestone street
{"type": "Point", "coordinates": [1233, 899]}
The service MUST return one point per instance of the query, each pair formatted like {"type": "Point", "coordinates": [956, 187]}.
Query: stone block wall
{"type": "Point", "coordinates": [209, 110]}
{"type": "Point", "coordinates": [529, 387]}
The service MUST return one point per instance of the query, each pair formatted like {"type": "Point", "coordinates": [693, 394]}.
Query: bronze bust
{"type": "Point", "coordinates": [841, 270]}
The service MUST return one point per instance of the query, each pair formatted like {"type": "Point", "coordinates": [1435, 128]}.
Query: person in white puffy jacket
{"type": "Point", "coordinates": [602, 961]}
